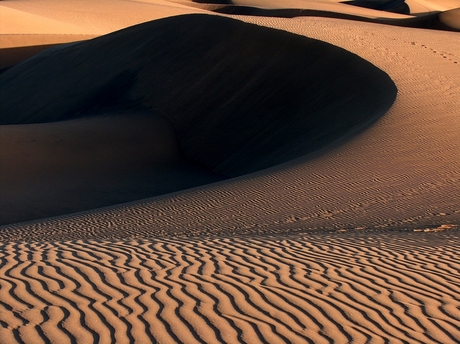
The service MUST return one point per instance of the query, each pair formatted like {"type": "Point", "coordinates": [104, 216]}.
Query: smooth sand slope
{"type": "Point", "coordinates": [27, 27]}
{"type": "Point", "coordinates": [240, 261]}
{"type": "Point", "coordinates": [64, 167]}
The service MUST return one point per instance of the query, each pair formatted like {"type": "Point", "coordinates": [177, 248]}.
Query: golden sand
{"type": "Point", "coordinates": [354, 243]}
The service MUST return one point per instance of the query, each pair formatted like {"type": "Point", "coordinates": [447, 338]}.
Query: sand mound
{"type": "Point", "coordinates": [276, 95]}
{"type": "Point", "coordinates": [402, 172]}
{"type": "Point", "coordinates": [397, 6]}
{"type": "Point", "coordinates": [451, 18]}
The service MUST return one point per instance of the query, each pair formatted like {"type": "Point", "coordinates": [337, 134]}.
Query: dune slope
{"type": "Point", "coordinates": [50, 169]}
{"type": "Point", "coordinates": [404, 171]}
{"type": "Point", "coordinates": [275, 95]}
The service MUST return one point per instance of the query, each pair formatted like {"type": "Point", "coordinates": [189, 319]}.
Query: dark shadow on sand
{"type": "Point", "coordinates": [241, 98]}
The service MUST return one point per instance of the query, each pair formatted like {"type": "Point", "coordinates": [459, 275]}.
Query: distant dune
{"type": "Point", "coordinates": [288, 172]}
{"type": "Point", "coordinates": [397, 6]}
{"type": "Point", "coordinates": [431, 20]}
{"type": "Point", "coordinates": [451, 18]}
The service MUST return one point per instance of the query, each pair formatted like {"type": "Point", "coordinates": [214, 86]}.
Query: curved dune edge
{"type": "Point", "coordinates": [234, 110]}
{"type": "Point", "coordinates": [451, 18]}
{"type": "Point", "coordinates": [315, 288]}
{"type": "Point", "coordinates": [387, 177]}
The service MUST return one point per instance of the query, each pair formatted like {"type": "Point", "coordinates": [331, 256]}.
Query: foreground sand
{"type": "Point", "coordinates": [239, 261]}
{"type": "Point", "coordinates": [353, 287]}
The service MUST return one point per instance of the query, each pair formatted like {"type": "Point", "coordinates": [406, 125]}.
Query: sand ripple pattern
{"type": "Point", "coordinates": [316, 288]}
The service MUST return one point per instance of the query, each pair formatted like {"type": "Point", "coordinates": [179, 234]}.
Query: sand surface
{"type": "Point", "coordinates": [354, 242]}
{"type": "Point", "coordinates": [335, 287]}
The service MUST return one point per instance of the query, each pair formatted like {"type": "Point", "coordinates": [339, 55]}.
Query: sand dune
{"type": "Point", "coordinates": [334, 8]}
{"type": "Point", "coordinates": [355, 244]}
{"type": "Point", "coordinates": [84, 16]}
{"type": "Point", "coordinates": [297, 98]}
{"type": "Point", "coordinates": [423, 17]}
{"type": "Point", "coordinates": [451, 18]}
{"type": "Point", "coordinates": [20, 22]}
{"type": "Point", "coordinates": [16, 48]}
{"type": "Point", "coordinates": [433, 21]}
{"type": "Point", "coordinates": [403, 171]}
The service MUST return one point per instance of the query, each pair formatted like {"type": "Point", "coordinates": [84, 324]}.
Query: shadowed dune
{"type": "Point", "coordinates": [17, 48]}
{"type": "Point", "coordinates": [403, 171]}
{"type": "Point", "coordinates": [275, 95]}
{"type": "Point", "coordinates": [397, 6]}
{"type": "Point", "coordinates": [12, 56]}
{"type": "Point", "coordinates": [50, 169]}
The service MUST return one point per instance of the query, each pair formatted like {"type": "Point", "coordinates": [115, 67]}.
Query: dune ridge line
{"type": "Point", "coordinates": [277, 96]}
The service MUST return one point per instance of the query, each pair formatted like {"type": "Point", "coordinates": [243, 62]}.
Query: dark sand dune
{"type": "Point", "coordinates": [12, 56]}
{"type": "Point", "coordinates": [396, 6]}
{"type": "Point", "coordinates": [17, 48]}
{"type": "Point", "coordinates": [239, 99]}
{"type": "Point", "coordinates": [275, 95]}
{"type": "Point", "coordinates": [50, 169]}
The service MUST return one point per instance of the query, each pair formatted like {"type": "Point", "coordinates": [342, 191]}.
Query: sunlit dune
{"type": "Point", "coordinates": [245, 171]}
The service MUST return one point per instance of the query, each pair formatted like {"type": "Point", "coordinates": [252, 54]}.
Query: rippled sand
{"type": "Point", "coordinates": [354, 242]}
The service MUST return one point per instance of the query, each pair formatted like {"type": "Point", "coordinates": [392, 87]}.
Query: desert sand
{"type": "Point", "coordinates": [242, 172]}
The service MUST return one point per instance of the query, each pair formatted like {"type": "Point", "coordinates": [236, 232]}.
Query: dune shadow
{"type": "Point", "coordinates": [12, 56]}
{"type": "Point", "coordinates": [241, 97]}
{"type": "Point", "coordinates": [395, 6]}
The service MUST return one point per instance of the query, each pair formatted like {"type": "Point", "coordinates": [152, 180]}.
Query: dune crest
{"type": "Point", "coordinates": [275, 95]}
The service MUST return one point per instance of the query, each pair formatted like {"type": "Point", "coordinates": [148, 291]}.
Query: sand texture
{"type": "Point", "coordinates": [359, 288]}
{"type": "Point", "coordinates": [244, 171]}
